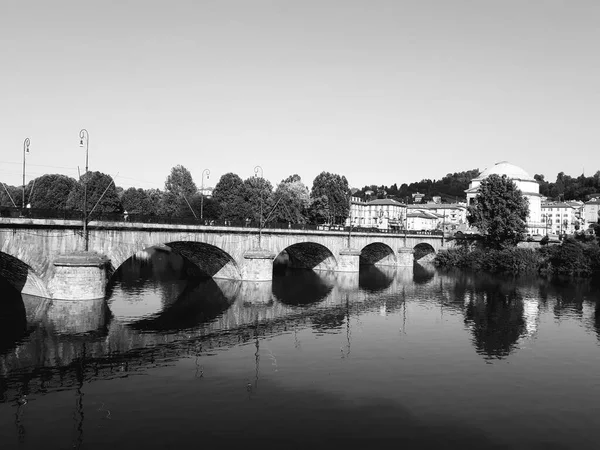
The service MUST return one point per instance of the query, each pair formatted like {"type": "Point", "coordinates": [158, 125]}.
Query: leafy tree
{"type": "Point", "coordinates": [211, 209]}
{"type": "Point", "coordinates": [499, 212]}
{"type": "Point", "coordinates": [334, 188]}
{"type": "Point", "coordinates": [13, 192]}
{"type": "Point", "coordinates": [258, 194]}
{"type": "Point", "coordinates": [229, 194]}
{"type": "Point", "coordinates": [51, 191]}
{"type": "Point", "coordinates": [292, 199]}
{"type": "Point", "coordinates": [140, 201]}
{"type": "Point", "coordinates": [318, 210]}
{"type": "Point", "coordinates": [179, 189]}
{"type": "Point", "coordinates": [544, 185]}
{"type": "Point", "coordinates": [101, 194]}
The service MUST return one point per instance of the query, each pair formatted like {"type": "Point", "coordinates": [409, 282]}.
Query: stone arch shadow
{"type": "Point", "coordinates": [306, 255]}
{"type": "Point", "coordinates": [377, 254]}
{"type": "Point", "coordinates": [423, 250]}
{"type": "Point", "coordinates": [207, 260]}
{"type": "Point", "coordinates": [200, 303]}
{"type": "Point", "coordinates": [22, 277]}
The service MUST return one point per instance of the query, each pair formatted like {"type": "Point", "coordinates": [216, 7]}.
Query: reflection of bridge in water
{"type": "Point", "coordinates": [212, 315]}
{"type": "Point", "coordinates": [62, 349]}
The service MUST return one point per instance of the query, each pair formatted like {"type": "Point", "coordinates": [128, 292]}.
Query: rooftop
{"type": "Point", "coordinates": [505, 168]}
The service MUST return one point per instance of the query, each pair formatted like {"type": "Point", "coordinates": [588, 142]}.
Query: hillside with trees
{"type": "Point", "coordinates": [450, 188]}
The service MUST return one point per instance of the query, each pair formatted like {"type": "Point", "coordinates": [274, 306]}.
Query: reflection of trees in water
{"type": "Point", "coordinates": [496, 321]}
{"type": "Point", "coordinates": [299, 287]}
{"type": "Point", "coordinates": [570, 296]}
{"type": "Point", "coordinates": [373, 279]}
{"type": "Point", "coordinates": [13, 318]}
{"type": "Point", "coordinates": [201, 302]}
{"type": "Point", "coordinates": [423, 274]}
{"type": "Point", "coordinates": [492, 308]}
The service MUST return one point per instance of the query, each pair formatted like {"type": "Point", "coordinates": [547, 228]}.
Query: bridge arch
{"type": "Point", "coordinates": [210, 261]}
{"type": "Point", "coordinates": [422, 250]}
{"type": "Point", "coordinates": [21, 276]}
{"type": "Point", "coordinates": [307, 255]}
{"type": "Point", "coordinates": [301, 288]}
{"type": "Point", "coordinates": [377, 253]}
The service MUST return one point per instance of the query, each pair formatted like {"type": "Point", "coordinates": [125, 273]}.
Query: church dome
{"type": "Point", "coordinates": [505, 168]}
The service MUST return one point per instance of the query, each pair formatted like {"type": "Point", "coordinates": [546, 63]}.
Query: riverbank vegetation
{"type": "Point", "coordinates": [571, 257]}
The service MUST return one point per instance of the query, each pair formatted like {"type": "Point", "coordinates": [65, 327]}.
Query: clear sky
{"type": "Point", "coordinates": [382, 92]}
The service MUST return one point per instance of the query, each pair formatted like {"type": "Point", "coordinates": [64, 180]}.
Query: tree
{"type": "Point", "coordinates": [10, 194]}
{"type": "Point", "coordinates": [229, 193]}
{"type": "Point", "coordinates": [544, 185]}
{"type": "Point", "coordinates": [335, 189]}
{"type": "Point", "coordinates": [179, 189]}
{"type": "Point", "coordinates": [499, 212]}
{"type": "Point", "coordinates": [211, 208]}
{"type": "Point", "coordinates": [140, 201]}
{"type": "Point", "coordinates": [318, 209]}
{"type": "Point", "coordinates": [101, 194]}
{"type": "Point", "coordinates": [292, 200]}
{"type": "Point", "coordinates": [258, 194]}
{"type": "Point", "coordinates": [51, 191]}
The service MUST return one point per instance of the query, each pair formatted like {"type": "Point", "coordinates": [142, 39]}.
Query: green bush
{"type": "Point", "coordinates": [572, 257]}
{"type": "Point", "coordinates": [511, 260]}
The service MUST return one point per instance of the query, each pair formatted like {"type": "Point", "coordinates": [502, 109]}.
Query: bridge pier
{"type": "Point", "coordinates": [78, 276]}
{"type": "Point", "coordinates": [76, 317]}
{"type": "Point", "coordinates": [257, 292]}
{"type": "Point", "coordinates": [258, 265]}
{"type": "Point", "coordinates": [348, 260]}
{"type": "Point", "coordinates": [406, 257]}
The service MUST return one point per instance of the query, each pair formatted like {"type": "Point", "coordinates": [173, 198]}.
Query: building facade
{"type": "Point", "coordinates": [422, 220]}
{"type": "Point", "coordinates": [450, 216]}
{"type": "Point", "coordinates": [591, 212]}
{"type": "Point", "coordinates": [382, 214]}
{"type": "Point", "coordinates": [528, 186]}
{"type": "Point", "coordinates": [561, 217]}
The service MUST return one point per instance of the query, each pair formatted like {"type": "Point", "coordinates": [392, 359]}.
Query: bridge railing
{"type": "Point", "coordinates": [69, 214]}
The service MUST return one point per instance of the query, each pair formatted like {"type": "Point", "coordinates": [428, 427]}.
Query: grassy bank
{"type": "Point", "coordinates": [572, 257]}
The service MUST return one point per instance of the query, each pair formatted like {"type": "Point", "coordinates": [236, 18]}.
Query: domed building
{"type": "Point", "coordinates": [525, 183]}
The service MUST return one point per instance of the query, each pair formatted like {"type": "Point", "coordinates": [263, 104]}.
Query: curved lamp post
{"type": "Point", "coordinates": [256, 169]}
{"type": "Point", "coordinates": [207, 171]}
{"type": "Point", "coordinates": [84, 137]}
{"type": "Point", "coordinates": [25, 150]}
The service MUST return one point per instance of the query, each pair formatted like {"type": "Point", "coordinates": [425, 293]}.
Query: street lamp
{"type": "Point", "coordinates": [202, 193]}
{"type": "Point", "coordinates": [256, 169]}
{"type": "Point", "coordinates": [84, 136]}
{"type": "Point", "coordinates": [25, 150]}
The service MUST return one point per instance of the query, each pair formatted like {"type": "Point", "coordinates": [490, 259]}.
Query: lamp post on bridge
{"type": "Point", "coordinates": [349, 218]}
{"type": "Point", "coordinates": [84, 136]}
{"type": "Point", "coordinates": [256, 169]}
{"type": "Point", "coordinates": [25, 150]}
{"type": "Point", "coordinates": [207, 171]}
{"type": "Point", "coordinates": [405, 220]}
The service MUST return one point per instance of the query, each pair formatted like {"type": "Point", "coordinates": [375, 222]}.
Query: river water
{"type": "Point", "coordinates": [413, 357]}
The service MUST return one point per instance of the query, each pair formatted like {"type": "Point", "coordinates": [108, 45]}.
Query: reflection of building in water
{"type": "Point", "coordinates": [531, 315]}
{"type": "Point", "coordinates": [383, 309]}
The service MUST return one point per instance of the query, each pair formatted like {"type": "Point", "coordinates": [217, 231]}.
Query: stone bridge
{"type": "Point", "coordinates": [44, 257]}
